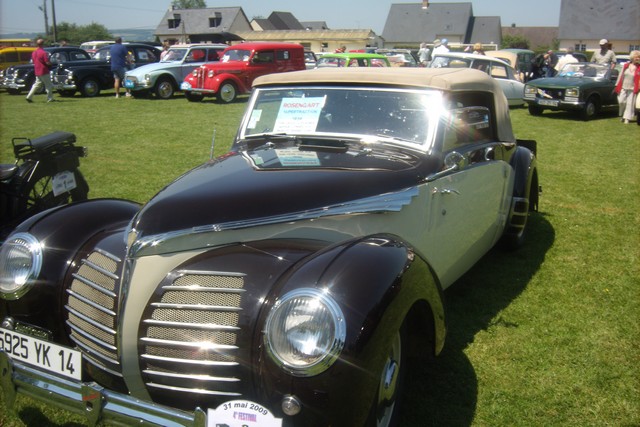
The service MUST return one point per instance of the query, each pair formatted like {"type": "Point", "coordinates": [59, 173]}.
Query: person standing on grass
{"type": "Point", "coordinates": [628, 87]}
{"type": "Point", "coordinates": [119, 62]}
{"type": "Point", "coordinates": [41, 64]}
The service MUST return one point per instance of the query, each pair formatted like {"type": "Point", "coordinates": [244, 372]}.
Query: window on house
{"type": "Point", "coordinates": [216, 20]}
{"type": "Point", "coordinates": [175, 21]}
{"type": "Point", "coordinates": [580, 47]}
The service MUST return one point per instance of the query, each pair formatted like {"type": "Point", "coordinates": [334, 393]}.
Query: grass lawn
{"type": "Point", "coordinates": [548, 335]}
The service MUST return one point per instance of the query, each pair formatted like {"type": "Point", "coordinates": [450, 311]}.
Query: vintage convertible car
{"type": "Point", "coordinates": [285, 282]}
{"type": "Point", "coordinates": [584, 87]}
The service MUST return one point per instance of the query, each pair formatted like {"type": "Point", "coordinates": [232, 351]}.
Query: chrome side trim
{"type": "Point", "coordinates": [388, 202]}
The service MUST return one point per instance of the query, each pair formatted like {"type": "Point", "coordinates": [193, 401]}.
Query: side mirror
{"type": "Point", "coordinates": [453, 161]}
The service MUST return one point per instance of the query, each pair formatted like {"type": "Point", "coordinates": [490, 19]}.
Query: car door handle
{"type": "Point", "coordinates": [449, 191]}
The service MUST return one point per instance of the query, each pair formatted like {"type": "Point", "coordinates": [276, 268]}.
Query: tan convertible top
{"type": "Point", "coordinates": [445, 79]}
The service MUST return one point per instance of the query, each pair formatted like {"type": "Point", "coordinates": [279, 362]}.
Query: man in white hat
{"type": "Point", "coordinates": [604, 55]}
{"type": "Point", "coordinates": [440, 46]}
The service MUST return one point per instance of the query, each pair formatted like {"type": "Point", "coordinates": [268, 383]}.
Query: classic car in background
{"type": "Point", "coordinates": [519, 59]}
{"type": "Point", "coordinates": [288, 280]}
{"type": "Point", "coordinates": [352, 59]}
{"type": "Point", "coordinates": [404, 56]}
{"type": "Point", "coordinates": [91, 77]}
{"type": "Point", "coordinates": [240, 65]}
{"type": "Point", "coordinates": [585, 87]}
{"type": "Point", "coordinates": [504, 74]}
{"type": "Point", "coordinates": [20, 78]}
{"type": "Point", "coordinates": [164, 78]}
{"type": "Point", "coordinates": [310, 59]}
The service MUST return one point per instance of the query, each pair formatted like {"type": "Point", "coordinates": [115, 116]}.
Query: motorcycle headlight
{"type": "Point", "coordinates": [20, 263]}
{"type": "Point", "coordinates": [305, 332]}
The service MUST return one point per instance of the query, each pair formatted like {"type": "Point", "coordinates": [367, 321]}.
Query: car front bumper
{"type": "Point", "coordinates": [556, 104]}
{"type": "Point", "coordinates": [88, 399]}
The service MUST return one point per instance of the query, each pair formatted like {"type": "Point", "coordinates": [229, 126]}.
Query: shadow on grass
{"type": "Point", "coordinates": [32, 416]}
{"type": "Point", "coordinates": [444, 392]}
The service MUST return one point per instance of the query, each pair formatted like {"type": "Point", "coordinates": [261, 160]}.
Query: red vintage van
{"type": "Point", "coordinates": [240, 65]}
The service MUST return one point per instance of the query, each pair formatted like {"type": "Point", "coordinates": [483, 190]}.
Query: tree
{"type": "Point", "coordinates": [76, 34]}
{"type": "Point", "coordinates": [189, 4]}
{"type": "Point", "coordinates": [514, 42]}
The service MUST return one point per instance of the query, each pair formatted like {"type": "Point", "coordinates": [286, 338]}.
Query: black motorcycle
{"type": "Point", "coordinates": [44, 175]}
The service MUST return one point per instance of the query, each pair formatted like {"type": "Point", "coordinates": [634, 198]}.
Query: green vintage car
{"type": "Point", "coordinates": [587, 88]}
{"type": "Point", "coordinates": [353, 59]}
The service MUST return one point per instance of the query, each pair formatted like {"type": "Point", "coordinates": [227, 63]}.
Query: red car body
{"type": "Point", "coordinates": [240, 65]}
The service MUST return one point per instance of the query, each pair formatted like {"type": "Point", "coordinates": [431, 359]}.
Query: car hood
{"type": "Point", "coordinates": [225, 66]}
{"type": "Point", "coordinates": [155, 66]}
{"type": "Point", "coordinates": [562, 82]}
{"type": "Point", "coordinates": [84, 63]}
{"type": "Point", "coordinates": [251, 185]}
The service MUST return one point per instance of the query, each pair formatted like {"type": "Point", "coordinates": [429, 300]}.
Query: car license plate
{"type": "Point", "coordinates": [128, 84]}
{"type": "Point", "coordinates": [63, 182]}
{"type": "Point", "coordinates": [549, 102]}
{"type": "Point", "coordinates": [42, 354]}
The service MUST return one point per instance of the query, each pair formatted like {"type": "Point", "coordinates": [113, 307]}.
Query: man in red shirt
{"type": "Point", "coordinates": [41, 66]}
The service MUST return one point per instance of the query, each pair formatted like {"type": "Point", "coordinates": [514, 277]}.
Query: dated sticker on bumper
{"type": "Point", "coordinates": [240, 413]}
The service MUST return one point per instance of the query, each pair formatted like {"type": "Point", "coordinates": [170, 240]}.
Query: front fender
{"type": "Point", "coordinates": [221, 78]}
{"type": "Point", "coordinates": [62, 232]}
{"type": "Point", "coordinates": [524, 165]}
{"type": "Point", "coordinates": [377, 281]}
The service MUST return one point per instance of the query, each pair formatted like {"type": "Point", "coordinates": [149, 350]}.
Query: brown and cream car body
{"type": "Point", "coordinates": [283, 282]}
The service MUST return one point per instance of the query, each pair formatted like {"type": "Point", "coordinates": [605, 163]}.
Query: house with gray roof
{"type": "Point", "coordinates": [408, 25]}
{"type": "Point", "coordinates": [202, 25]}
{"type": "Point", "coordinates": [583, 23]}
{"type": "Point", "coordinates": [277, 21]}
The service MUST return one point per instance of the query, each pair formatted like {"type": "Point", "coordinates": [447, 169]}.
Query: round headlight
{"type": "Point", "coordinates": [305, 332]}
{"type": "Point", "coordinates": [20, 263]}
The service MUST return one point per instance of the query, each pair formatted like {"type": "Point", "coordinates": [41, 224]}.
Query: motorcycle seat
{"type": "Point", "coordinates": [7, 171]}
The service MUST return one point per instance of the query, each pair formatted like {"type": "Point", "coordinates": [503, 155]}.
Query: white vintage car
{"type": "Point", "coordinates": [504, 73]}
{"type": "Point", "coordinates": [285, 282]}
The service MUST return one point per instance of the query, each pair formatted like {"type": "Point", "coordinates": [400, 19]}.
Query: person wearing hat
{"type": "Point", "coordinates": [440, 46]}
{"type": "Point", "coordinates": [604, 55]}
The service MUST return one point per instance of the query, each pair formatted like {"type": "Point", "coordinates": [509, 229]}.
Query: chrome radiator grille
{"type": "Point", "coordinates": [189, 339]}
{"type": "Point", "coordinates": [91, 310]}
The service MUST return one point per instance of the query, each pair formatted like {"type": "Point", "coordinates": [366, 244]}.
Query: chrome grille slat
{"type": "Point", "coordinates": [189, 338]}
{"type": "Point", "coordinates": [193, 390]}
{"type": "Point", "coordinates": [196, 345]}
{"type": "Point", "coordinates": [195, 306]}
{"type": "Point", "coordinates": [204, 326]}
{"type": "Point", "coordinates": [188, 361]}
{"type": "Point", "coordinates": [204, 378]}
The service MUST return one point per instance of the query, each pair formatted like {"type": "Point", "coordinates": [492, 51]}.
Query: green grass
{"type": "Point", "coordinates": [548, 335]}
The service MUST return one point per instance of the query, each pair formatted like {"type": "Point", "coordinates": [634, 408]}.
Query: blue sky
{"type": "Point", "coordinates": [25, 16]}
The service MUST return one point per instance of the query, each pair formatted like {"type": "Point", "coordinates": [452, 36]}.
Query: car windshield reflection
{"type": "Point", "coordinates": [174, 55]}
{"type": "Point", "coordinates": [399, 116]}
{"type": "Point", "coordinates": [584, 70]}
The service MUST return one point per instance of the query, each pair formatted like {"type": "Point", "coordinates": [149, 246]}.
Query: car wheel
{"type": "Point", "coordinates": [194, 97]}
{"type": "Point", "coordinates": [227, 92]}
{"type": "Point", "coordinates": [386, 404]}
{"type": "Point", "coordinates": [590, 109]}
{"type": "Point", "coordinates": [164, 88]}
{"type": "Point", "coordinates": [90, 87]}
{"type": "Point", "coordinates": [535, 110]}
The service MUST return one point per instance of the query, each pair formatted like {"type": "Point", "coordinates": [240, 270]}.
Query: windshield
{"type": "Point", "coordinates": [450, 62]}
{"type": "Point", "coordinates": [236, 55]}
{"type": "Point", "coordinates": [581, 69]}
{"type": "Point", "coordinates": [174, 55]}
{"type": "Point", "coordinates": [401, 116]}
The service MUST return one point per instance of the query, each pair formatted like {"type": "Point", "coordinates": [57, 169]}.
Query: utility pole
{"type": "Point", "coordinates": [43, 8]}
{"type": "Point", "coordinates": [55, 30]}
